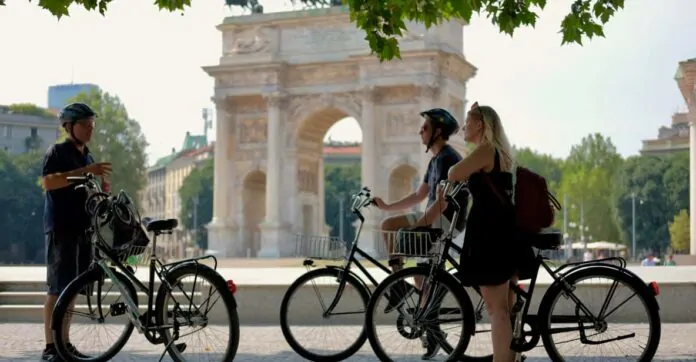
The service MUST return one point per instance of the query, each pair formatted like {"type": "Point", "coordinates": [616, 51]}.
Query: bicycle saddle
{"type": "Point", "coordinates": [160, 225]}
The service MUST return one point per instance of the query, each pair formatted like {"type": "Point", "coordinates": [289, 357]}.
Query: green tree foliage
{"type": "Point", "coordinates": [31, 109]}
{"type": "Point", "coordinates": [680, 232]}
{"type": "Point", "coordinates": [340, 182]}
{"type": "Point", "coordinates": [383, 21]}
{"type": "Point", "coordinates": [661, 188]}
{"type": "Point", "coordinates": [117, 139]}
{"type": "Point", "coordinates": [587, 183]}
{"type": "Point", "coordinates": [21, 207]}
{"type": "Point", "coordinates": [198, 183]}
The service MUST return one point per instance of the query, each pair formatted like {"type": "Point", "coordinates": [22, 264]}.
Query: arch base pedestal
{"type": "Point", "coordinates": [276, 240]}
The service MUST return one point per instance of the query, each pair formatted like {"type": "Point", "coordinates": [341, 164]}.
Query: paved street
{"type": "Point", "coordinates": [21, 342]}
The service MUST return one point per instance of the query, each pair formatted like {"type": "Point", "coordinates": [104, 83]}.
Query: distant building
{"type": "Point", "coordinates": [676, 137]}
{"type": "Point", "coordinates": [669, 139]}
{"type": "Point", "coordinates": [21, 132]}
{"type": "Point", "coordinates": [59, 95]}
{"type": "Point", "coordinates": [341, 153]}
{"type": "Point", "coordinates": [160, 199]}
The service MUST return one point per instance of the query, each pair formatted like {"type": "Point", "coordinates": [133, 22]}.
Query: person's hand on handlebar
{"type": "Point", "coordinates": [99, 169]}
{"type": "Point", "coordinates": [380, 203]}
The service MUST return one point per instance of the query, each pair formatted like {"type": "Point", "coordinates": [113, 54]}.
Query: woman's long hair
{"type": "Point", "coordinates": [494, 135]}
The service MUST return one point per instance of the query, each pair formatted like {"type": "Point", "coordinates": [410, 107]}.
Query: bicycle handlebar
{"type": "Point", "coordinates": [87, 181]}
{"type": "Point", "coordinates": [363, 198]}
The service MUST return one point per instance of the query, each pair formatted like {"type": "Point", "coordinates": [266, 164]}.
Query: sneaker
{"type": "Point", "coordinates": [75, 352]}
{"type": "Point", "coordinates": [398, 294]}
{"type": "Point", "coordinates": [431, 343]}
{"type": "Point", "coordinates": [51, 355]}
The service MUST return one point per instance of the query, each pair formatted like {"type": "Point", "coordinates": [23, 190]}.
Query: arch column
{"type": "Point", "coordinates": [273, 228]}
{"type": "Point", "coordinates": [221, 227]}
{"type": "Point", "coordinates": [369, 163]}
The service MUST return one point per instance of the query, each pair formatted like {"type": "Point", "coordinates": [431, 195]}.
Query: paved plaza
{"type": "Point", "coordinates": [21, 342]}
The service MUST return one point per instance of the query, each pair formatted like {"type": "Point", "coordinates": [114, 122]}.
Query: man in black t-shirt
{"type": "Point", "coordinates": [68, 252]}
{"type": "Point", "coordinates": [437, 127]}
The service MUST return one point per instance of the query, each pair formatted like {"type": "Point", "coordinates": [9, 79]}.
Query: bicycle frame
{"type": "Point", "coordinates": [102, 255]}
{"type": "Point", "coordinates": [360, 201]}
{"type": "Point", "coordinates": [156, 268]}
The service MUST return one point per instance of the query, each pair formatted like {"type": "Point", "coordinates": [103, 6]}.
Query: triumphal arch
{"type": "Point", "coordinates": [282, 80]}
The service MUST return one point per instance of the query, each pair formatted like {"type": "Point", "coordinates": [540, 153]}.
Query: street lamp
{"type": "Point", "coordinates": [633, 223]}
{"type": "Point", "coordinates": [341, 215]}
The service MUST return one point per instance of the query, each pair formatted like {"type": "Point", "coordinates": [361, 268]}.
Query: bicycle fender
{"type": "Point", "coordinates": [354, 276]}
{"type": "Point", "coordinates": [163, 289]}
{"type": "Point", "coordinates": [546, 300]}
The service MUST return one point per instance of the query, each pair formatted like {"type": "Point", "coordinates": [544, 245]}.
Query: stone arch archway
{"type": "Point", "coordinates": [283, 78]}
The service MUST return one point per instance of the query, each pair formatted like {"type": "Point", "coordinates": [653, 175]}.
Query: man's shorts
{"type": "Point", "coordinates": [67, 256]}
{"type": "Point", "coordinates": [440, 223]}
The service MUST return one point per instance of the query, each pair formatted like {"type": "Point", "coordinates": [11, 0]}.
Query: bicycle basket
{"type": "Point", "coordinates": [320, 247]}
{"type": "Point", "coordinates": [122, 229]}
{"type": "Point", "coordinates": [417, 242]}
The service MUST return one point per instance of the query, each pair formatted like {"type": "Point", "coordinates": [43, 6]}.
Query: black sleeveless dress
{"type": "Point", "coordinates": [491, 253]}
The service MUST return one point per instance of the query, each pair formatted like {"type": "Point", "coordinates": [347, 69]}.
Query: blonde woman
{"type": "Point", "coordinates": [490, 257]}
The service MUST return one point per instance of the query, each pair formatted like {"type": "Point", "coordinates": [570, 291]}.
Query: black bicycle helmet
{"type": "Point", "coordinates": [75, 112]}
{"type": "Point", "coordinates": [444, 121]}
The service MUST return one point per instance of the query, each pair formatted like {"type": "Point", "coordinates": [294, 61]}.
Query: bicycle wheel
{"type": "Point", "coordinates": [420, 317]}
{"type": "Point", "coordinates": [96, 309]}
{"type": "Point", "coordinates": [580, 318]}
{"type": "Point", "coordinates": [325, 293]}
{"type": "Point", "coordinates": [176, 309]}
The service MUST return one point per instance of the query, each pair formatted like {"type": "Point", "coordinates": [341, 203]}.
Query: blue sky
{"type": "Point", "coordinates": [548, 96]}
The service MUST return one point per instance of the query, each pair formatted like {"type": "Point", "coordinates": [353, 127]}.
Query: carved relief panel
{"type": "Point", "coordinates": [400, 68]}
{"type": "Point", "coordinates": [399, 95]}
{"type": "Point", "coordinates": [306, 75]}
{"type": "Point", "coordinates": [252, 130]}
{"type": "Point", "coordinates": [247, 41]}
{"type": "Point", "coordinates": [248, 105]}
{"type": "Point", "coordinates": [328, 36]}
{"type": "Point", "coordinates": [248, 78]}
{"type": "Point", "coordinates": [401, 121]}
{"type": "Point", "coordinates": [251, 155]}
{"type": "Point", "coordinates": [307, 176]}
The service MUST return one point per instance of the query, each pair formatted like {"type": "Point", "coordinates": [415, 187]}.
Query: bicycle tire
{"type": "Point", "coordinates": [285, 328]}
{"type": "Point", "coordinates": [219, 283]}
{"type": "Point", "coordinates": [73, 291]}
{"type": "Point", "coordinates": [556, 290]}
{"type": "Point", "coordinates": [442, 276]}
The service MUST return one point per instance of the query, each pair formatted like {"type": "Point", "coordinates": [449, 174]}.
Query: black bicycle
{"type": "Point", "coordinates": [174, 306]}
{"type": "Point", "coordinates": [426, 314]}
{"type": "Point", "coordinates": [340, 281]}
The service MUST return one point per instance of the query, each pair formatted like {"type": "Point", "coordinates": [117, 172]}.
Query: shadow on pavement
{"type": "Point", "coordinates": [291, 356]}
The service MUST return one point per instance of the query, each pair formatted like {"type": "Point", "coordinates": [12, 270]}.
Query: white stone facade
{"type": "Point", "coordinates": [283, 80]}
